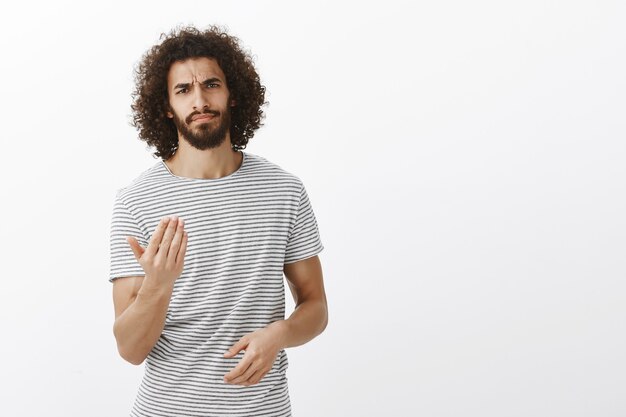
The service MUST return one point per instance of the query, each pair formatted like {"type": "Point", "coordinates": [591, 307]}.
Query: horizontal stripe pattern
{"type": "Point", "coordinates": [242, 229]}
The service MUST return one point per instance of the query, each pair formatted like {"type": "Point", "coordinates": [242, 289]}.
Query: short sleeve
{"type": "Point", "coordinates": [123, 223]}
{"type": "Point", "coordinates": [304, 237]}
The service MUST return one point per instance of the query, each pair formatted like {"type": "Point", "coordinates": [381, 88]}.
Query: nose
{"type": "Point", "coordinates": [199, 100]}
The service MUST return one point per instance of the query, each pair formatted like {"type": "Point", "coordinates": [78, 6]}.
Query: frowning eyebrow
{"type": "Point", "coordinates": [207, 81]}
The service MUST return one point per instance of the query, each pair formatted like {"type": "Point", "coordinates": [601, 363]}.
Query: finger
{"type": "Point", "coordinates": [155, 240]}
{"type": "Point", "coordinates": [241, 367]}
{"type": "Point", "coordinates": [183, 248]}
{"type": "Point", "coordinates": [135, 247]}
{"type": "Point", "coordinates": [173, 250]}
{"type": "Point", "coordinates": [236, 348]}
{"type": "Point", "coordinates": [168, 235]}
{"type": "Point", "coordinates": [246, 375]}
{"type": "Point", "coordinates": [255, 378]}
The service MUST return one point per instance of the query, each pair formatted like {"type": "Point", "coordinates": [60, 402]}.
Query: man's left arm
{"type": "Point", "coordinates": [308, 320]}
{"type": "Point", "coordinates": [310, 316]}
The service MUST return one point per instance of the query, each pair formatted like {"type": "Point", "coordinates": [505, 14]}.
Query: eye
{"type": "Point", "coordinates": [181, 90]}
{"type": "Point", "coordinates": [211, 84]}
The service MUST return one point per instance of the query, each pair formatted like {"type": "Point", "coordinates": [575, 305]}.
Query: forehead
{"type": "Point", "coordinates": [194, 69]}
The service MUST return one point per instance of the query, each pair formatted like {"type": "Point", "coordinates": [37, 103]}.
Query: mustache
{"type": "Point", "coordinates": [211, 112]}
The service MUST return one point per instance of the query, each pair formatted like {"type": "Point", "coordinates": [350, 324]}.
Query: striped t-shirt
{"type": "Point", "coordinates": [242, 228]}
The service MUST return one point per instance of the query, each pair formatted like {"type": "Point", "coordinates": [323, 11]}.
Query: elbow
{"type": "Point", "coordinates": [125, 354]}
{"type": "Point", "coordinates": [325, 322]}
{"type": "Point", "coordinates": [133, 359]}
{"type": "Point", "coordinates": [323, 327]}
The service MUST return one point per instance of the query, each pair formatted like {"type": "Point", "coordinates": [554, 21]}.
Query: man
{"type": "Point", "coordinates": [200, 241]}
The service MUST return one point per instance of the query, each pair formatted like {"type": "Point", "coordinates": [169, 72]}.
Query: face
{"type": "Point", "coordinates": [199, 102]}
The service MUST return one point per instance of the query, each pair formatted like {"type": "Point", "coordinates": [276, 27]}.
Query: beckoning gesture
{"type": "Point", "coordinates": [261, 347]}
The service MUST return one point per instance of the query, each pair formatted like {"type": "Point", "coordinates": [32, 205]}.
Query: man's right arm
{"type": "Point", "coordinates": [141, 303]}
{"type": "Point", "coordinates": [140, 310]}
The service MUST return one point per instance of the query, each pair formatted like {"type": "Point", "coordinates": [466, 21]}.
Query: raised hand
{"type": "Point", "coordinates": [163, 259]}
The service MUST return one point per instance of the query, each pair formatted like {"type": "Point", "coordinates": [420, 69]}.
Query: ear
{"type": "Point", "coordinates": [169, 113]}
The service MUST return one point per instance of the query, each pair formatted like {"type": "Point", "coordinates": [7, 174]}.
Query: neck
{"type": "Point", "coordinates": [212, 163]}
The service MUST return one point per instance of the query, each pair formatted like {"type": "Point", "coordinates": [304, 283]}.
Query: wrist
{"type": "Point", "coordinates": [281, 329]}
{"type": "Point", "coordinates": [152, 288]}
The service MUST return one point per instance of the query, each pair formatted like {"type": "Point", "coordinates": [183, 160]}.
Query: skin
{"type": "Point", "coordinates": [141, 302]}
{"type": "Point", "coordinates": [207, 154]}
{"type": "Point", "coordinates": [308, 320]}
{"type": "Point", "coordinates": [198, 86]}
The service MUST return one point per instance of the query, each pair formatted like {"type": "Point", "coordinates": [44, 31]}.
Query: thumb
{"type": "Point", "coordinates": [236, 348]}
{"type": "Point", "coordinates": [135, 246]}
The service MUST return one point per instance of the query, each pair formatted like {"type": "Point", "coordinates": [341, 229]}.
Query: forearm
{"type": "Point", "coordinates": [308, 320]}
{"type": "Point", "coordinates": [139, 327]}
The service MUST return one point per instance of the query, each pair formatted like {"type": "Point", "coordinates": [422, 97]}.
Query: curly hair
{"type": "Point", "coordinates": [151, 100]}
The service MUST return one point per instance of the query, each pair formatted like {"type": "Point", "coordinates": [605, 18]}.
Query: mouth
{"type": "Point", "coordinates": [202, 117]}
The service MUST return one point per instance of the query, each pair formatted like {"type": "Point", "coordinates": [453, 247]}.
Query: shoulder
{"type": "Point", "coordinates": [261, 166]}
{"type": "Point", "coordinates": [141, 183]}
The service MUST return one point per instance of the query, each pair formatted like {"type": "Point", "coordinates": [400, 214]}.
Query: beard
{"type": "Point", "coordinates": [206, 134]}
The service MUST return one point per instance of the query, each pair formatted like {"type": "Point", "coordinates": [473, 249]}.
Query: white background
{"type": "Point", "coordinates": [466, 162]}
